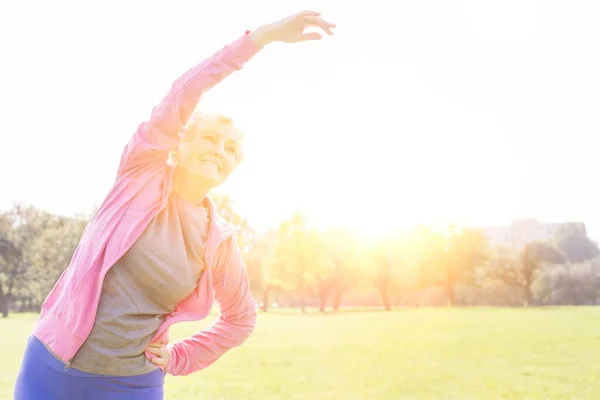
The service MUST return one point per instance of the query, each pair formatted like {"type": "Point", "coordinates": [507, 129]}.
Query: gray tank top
{"type": "Point", "coordinates": [160, 270]}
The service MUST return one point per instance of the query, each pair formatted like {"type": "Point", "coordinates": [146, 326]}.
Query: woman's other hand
{"type": "Point", "coordinates": [162, 354]}
{"type": "Point", "coordinates": [292, 29]}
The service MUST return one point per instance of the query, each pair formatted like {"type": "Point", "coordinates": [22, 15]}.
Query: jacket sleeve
{"type": "Point", "coordinates": [157, 136]}
{"type": "Point", "coordinates": [235, 323]}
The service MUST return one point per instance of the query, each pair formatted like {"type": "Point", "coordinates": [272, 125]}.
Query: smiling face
{"type": "Point", "coordinates": [210, 150]}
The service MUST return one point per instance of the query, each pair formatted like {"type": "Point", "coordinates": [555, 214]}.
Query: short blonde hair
{"type": "Point", "coordinates": [197, 123]}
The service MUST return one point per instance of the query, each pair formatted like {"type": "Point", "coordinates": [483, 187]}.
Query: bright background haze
{"type": "Point", "coordinates": [433, 111]}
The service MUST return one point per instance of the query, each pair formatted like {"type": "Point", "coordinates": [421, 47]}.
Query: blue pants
{"type": "Point", "coordinates": [43, 377]}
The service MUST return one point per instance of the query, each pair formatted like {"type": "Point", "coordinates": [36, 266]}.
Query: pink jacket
{"type": "Point", "coordinates": [140, 192]}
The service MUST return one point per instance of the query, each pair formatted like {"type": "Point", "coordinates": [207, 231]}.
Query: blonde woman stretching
{"type": "Point", "coordinates": [156, 252]}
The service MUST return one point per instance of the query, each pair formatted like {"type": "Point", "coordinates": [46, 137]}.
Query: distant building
{"type": "Point", "coordinates": [523, 231]}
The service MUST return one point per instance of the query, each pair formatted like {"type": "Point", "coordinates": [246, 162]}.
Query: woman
{"type": "Point", "coordinates": [155, 253]}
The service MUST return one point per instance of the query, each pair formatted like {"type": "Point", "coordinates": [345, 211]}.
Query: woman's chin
{"type": "Point", "coordinates": [206, 179]}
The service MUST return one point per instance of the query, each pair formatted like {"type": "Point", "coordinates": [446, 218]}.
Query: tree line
{"type": "Point", "coordinates": [297, 265]}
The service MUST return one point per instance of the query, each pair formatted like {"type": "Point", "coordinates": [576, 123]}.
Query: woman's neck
{"type": "Point", "coordinates": [188, 190]}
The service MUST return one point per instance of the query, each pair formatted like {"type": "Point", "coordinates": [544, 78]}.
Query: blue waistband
{"type": "Point", "coordinates": [40, 351]}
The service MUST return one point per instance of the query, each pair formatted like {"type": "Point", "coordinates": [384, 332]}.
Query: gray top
{"type": "Point", "coordinates": [161, 269]}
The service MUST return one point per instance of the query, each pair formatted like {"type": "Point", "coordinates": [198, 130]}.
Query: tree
{"type": "Point", "coordinates": [10, 257]}
{"type": "Point", "coordinates": [50, 254]}
{"type": "Point", "coordinates": [387, 259]}
{"type": "Point", "coordinates": [255, 250]}
{"type": "Point", "coordinates": [446, 259]}
{"type": "Point", "coordinates": [573, 241]}
{"type": "Point", "coordinates": [258, 264]}
{"type": "Point", "coordinates": [347, 258]}
{"type": "Point", "coordinates": [520, 270]}
{"type": "Point", "coordinates": [21, 225]}
{"type": "Point", "coordinates": [224, 206]}
{"type": "Point", "coordinates": [46, 243]}
{"type": "Point", "coordinates": [569, 284]}
{"type": "Point", "coordinates": [299, 259]}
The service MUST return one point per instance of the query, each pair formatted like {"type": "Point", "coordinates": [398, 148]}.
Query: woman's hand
{"type": "Point", "coordinates": [162, 353]}
{"type": "Point", "coordinates": [291, 29]}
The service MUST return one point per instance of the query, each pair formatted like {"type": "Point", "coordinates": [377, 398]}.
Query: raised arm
{"type": "Point", "coordinates": [234, 324]}
{"type": "Point", "coordinates": [157, 136]}
{"type": "Point", "coordinates": [237, 318]}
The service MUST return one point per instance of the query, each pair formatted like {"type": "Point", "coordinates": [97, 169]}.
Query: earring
{"type": "Point", "coordinates": [174, 159]}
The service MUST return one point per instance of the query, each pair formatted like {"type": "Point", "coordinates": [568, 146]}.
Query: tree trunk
{"type": "Point", "coordinates": [302, 298]}
{"type": "Point", "coordinates": [337, 300]}
{"type": "Point", "coordinates": [10, 300]}
{"type": "Point", "coordinates": [3, 302]}
{"type": "Point", "coordinates": [322, 305]}
{"type": "Point", "coordinates": [528, 295]}
{"type": "Point", "coordinates": [382, 288]}
{"type": "Point", "coordinates": [450, 295]}
{"type": "Point", "coordinates": [265, 294]}
{"type": "Point", "coordinates": [323, 295]}
{"type": "Point", "coordinates": [527, 288]}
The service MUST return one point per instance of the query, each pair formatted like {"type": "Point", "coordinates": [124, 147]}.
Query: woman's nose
{"type": "Point", "coordinates": [219, 148]}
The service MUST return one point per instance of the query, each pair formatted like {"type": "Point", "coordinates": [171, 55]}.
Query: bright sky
{"type": "Point", "coordinates": [414, 111]}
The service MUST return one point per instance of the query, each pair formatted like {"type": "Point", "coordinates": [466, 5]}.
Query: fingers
{"type": "Point", "coordinates": [162, 354]}
{"type": "Point", "coordinates": [158, 350]}
{"type": "Point", "coordinates": [321, 23]}
{"type": "Point", "coordinates": [159, 361]}
{"type": "Point", "coordinates": [310, 36]}
{"type": "Point", "coordinates": [307, 13]}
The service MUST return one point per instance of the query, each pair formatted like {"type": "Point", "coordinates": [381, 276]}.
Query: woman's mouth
{"type": "Point", "coordinates": [212, 163]}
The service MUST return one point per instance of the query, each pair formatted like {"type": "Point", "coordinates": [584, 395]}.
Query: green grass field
{"type": "Point", "coordinates": [479, 353]}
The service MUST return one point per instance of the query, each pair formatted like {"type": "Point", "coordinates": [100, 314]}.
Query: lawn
{"type": "Point", "coordinates": [445, 354]}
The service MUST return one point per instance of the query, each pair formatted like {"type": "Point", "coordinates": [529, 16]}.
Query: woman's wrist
{"type": "Point", "coordinates": [260, 36]}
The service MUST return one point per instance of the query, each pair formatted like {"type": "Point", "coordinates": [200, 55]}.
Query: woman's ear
{"type": "Point", "coordinates": [239, 157]}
